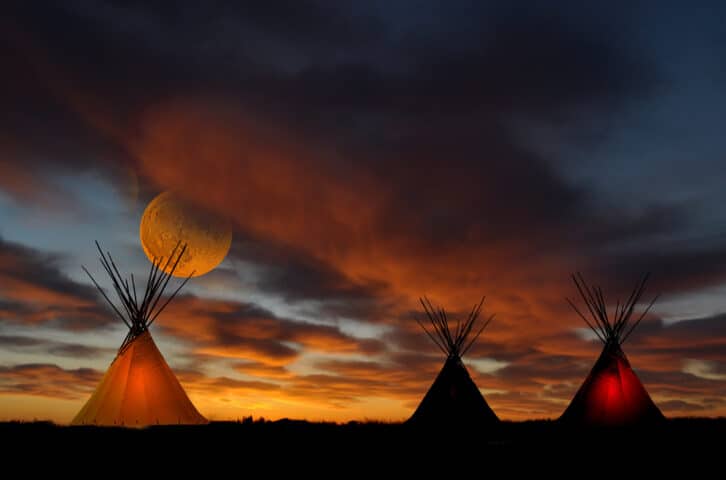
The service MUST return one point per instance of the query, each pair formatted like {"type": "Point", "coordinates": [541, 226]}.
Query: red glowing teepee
{"type": "Point", "coordinates": [612, 394]}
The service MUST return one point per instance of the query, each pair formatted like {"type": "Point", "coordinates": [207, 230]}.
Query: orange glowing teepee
{"type": "Point", "coordinates": [139, 388]}
{"type": "Point", "coordinates": [612, 394]}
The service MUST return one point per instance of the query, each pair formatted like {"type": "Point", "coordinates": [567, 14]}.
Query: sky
{"type": "Point", "coordinates": [365, 154]}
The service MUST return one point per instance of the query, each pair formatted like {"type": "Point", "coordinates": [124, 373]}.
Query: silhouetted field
{"type": "Point", "coordinates": [313, 447]}
{"type": "Point", "coordinates": [248, 436]}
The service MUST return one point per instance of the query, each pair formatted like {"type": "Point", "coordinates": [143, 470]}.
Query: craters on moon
{"type": "Point", "coordinates": [169, 219]}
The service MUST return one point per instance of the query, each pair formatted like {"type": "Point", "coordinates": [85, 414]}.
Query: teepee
{"type": "Point", "coordinates": [139, 388]}
{"type": "Point", "coordinates": [453, 399]}
{"type": "Point", "coordinates": [612, 394]}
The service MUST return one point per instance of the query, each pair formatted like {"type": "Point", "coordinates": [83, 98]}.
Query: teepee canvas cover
{"type": "Point", "coordinates": [453, 399]}
{"type": "Point", "coordinates": [139, 388]}
{"type": "Point", "coordinates": [612, 394]}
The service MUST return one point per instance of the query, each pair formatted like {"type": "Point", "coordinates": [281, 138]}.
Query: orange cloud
{"type": "Point", "coordinates": [263, 370]}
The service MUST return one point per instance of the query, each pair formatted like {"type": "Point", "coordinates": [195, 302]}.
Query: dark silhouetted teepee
{"type": "Point", "coordinates": [453, 399]}
{"type": "Point", "coordinates": [139, 388]}
{"type": "Point", "coordinates": [612, 394]}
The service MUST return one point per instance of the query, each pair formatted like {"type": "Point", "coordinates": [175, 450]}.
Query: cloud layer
{"type": "Point", "coordinates": [365, 156]}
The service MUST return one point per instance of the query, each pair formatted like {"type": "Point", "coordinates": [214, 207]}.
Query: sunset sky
{"type": "Point", "coordinates": [366, 153]}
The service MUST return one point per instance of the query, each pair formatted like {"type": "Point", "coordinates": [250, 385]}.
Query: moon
{"type": "Point", "coordinates": [169, 219]}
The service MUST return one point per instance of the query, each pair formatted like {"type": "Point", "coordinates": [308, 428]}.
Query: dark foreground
{"type": "Point", "coordinates": [362, 445]}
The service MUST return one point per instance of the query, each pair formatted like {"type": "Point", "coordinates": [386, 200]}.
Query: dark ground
{"type": "Point", "coordinates": [314, 447]}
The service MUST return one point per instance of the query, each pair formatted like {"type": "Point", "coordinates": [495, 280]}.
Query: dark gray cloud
{"type": "Point", "coordinates": [680, 405]}
{"type": "Point", "coordinates": [33, 290]}
{"type": "Point", "coordinates": [702, 339]}
{"type": "Point", "coordinates": [248, 331]}
{"type": "Point", "coordinates": [48, 380]}
{"type": "Point", "coordinates": [675, 268]}
{"type": "Point", "coordinates": [294, 275]}
{"type": "Point", "coordinates": [27, 344]}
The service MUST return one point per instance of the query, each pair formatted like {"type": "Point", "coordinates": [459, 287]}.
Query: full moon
{"type": "Point", "coordinates": [168, 219]}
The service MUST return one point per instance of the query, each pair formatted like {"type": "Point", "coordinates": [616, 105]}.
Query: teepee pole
{"type": "Point", "coordinates": [620, 327]}
{"type": "Point", "coordinates": [625, 337]}
{"type": "Point", "coordinates": [455, 343]}
{"type": "Point", "coordinates": [137, 317]}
